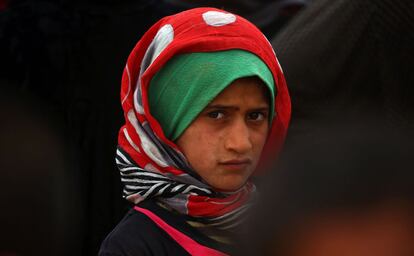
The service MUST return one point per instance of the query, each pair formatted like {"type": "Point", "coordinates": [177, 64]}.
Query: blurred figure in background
{"type": "Point", "coordinates": [40, 186]}
{"type": "Point", "coordinates": [344, 190]}
{"type": "Point", "coordinates": [343, 58]}
{"type": "Point", "coordinates": [345, 185]}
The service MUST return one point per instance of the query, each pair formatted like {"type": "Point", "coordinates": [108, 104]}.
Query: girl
{"type": "Point", "coordinates": [204, 99]}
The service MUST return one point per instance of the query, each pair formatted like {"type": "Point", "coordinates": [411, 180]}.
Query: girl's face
{"type": "Point", "coordinates": [223, 144]}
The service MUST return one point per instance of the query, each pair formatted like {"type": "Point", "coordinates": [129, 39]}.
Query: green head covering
{"type": "Point", "coordinates": [189, 82]}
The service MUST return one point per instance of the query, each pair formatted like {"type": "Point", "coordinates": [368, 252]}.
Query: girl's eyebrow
{"type": "Point", "coordinates": [220, 106]}
{"type": "Point", "coordinates": [261, 109]}
{"type": "Point", "coordinates": [264, 107]}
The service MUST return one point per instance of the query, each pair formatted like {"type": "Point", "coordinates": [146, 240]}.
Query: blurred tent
{"type": "Point", "coordinates": [343, 58]}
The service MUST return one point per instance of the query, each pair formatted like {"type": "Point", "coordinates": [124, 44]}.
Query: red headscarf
{"type": "Point", "coordinates": [151, 165]}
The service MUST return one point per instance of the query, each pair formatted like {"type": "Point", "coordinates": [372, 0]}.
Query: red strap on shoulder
{"type": "Point", "coordinates": [191, 246]}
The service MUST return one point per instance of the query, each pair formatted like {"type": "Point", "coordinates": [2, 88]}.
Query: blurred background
{"type": "Point", "coordinates": [60, 70]}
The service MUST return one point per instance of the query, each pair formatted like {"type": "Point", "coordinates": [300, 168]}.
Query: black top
{"type": "Point", "coordinates": [137, 234]}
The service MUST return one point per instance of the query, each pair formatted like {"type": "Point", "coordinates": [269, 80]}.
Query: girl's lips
{"type": "Point", "coordinates": [236, 164]}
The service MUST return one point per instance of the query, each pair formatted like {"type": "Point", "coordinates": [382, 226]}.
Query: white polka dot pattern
{"type": "Point", "coordinates": [162, 39]}
{"type": "Point", "coordinates": [218, 19]}
{"type": "Point", "coordinates": [131, 142]}
{"type": "Point", "coordinates": [137, 101]}
{"type": "Point", "coordinates": [149, 148]}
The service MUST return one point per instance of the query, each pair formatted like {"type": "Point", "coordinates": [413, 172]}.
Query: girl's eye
{"type": "Point", "coordinates": [216, 114]}
{"type": "Point", "coordinates": [256, 116]}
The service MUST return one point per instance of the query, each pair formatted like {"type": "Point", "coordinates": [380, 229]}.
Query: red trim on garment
{"type": "Point", "coordinates": [191, 246]}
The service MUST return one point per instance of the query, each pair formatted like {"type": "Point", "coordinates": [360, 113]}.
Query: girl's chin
{"type": "Point", "coordinates": [234, 184]}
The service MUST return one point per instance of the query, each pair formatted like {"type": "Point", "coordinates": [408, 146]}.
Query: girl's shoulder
{"type": "Point", "coordinates": [137, 234]}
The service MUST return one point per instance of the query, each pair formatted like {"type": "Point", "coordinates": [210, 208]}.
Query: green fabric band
{"type": "Point", "coordinates": [189, 82]}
